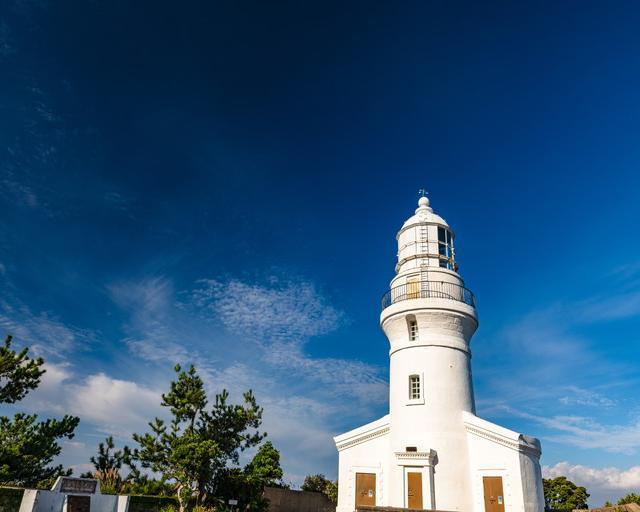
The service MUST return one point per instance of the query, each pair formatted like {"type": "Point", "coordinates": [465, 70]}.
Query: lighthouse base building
{"type": "Point", "coordinates": [431, 451]}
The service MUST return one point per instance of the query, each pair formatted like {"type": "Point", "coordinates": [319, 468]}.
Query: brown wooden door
{"type": "Point", "coordinates": [365, 489]}
{"type": "Point", "coordinates": [493, 495]}
{"type": "Point", "coordinates": [413, 289]}
{"type": "Point", "coordinates": [78, 503]}
{"type": "Point", "coordinates": [414, 490]}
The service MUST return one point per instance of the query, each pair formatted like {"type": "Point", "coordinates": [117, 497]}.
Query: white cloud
{"type": "Point", "coordinates": [111, 406]}
{"type": "Point", "coordinates": [114, 406]}
{"type": "Point", "coordinates": [602, 484]}
{"type": "Point", "coordinates": [604, 478]}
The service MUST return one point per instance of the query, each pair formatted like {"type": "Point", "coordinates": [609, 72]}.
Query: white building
{"type": "Point", "coordinates": [431, 450]}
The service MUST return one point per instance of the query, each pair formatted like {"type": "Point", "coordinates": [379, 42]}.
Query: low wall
{"type": "Point", "coordinates": [287, 500]}
{"type": "Point", "coordinates": [629, 507]}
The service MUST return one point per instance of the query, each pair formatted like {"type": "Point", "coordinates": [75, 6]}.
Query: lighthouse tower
{"type": "Point", "coordinates": [431, 450]}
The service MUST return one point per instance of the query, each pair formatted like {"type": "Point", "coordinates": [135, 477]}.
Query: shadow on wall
{"type": "Point", "coordinates": [286, 500]}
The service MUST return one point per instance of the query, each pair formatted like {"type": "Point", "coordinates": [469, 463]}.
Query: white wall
{"type": "Point", "coordinates": [497, 451]}
{"type": "Point", "coordinates": [51, 501]}
{"type": "Point", "coordinates": [366, 457]}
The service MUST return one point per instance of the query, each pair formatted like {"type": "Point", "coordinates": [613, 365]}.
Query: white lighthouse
{"type": "Point", "coordinates": [431, 450]}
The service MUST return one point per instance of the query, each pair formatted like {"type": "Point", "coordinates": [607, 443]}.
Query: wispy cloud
{"type": "Point", "coordinates": [291, 310]}
{"type": "Point", "coordinates": [579, 396]}
{"type": "Point", "coordinates": [248, 335]}
{"type": "Point", "coordinates": [43, 332]}
{"type": "Point", "coordinates": [17, 192]}
{"type": "Point", "coordinates": [565, 384]}
{"type": "Point", "coordinates": [587, 432]}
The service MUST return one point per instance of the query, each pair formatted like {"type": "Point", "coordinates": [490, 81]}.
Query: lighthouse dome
{"type": "Point", "coordinates": [424, 214]}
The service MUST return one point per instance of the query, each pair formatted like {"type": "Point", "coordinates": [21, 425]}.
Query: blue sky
{"type": "Point", "coordinates": [221, 183]}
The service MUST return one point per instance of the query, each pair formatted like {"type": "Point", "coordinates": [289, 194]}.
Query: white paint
{"type": "Point", "coordinates": [455, 448]}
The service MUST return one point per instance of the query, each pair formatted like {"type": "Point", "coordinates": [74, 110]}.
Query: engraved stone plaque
{"type": "Point", "coordinates": [78, 485]}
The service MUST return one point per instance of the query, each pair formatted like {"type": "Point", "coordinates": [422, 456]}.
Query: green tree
{"type": "Point", "coordinates": [247, 485]}
{"type": "Point", "coordinates": [108, 464]}
{"type": "Point", "coordinates": [629, 498]}
{"type": "Point", "coordinates": [28, 447]}
{"type": "Point", "coordinates": [265, 466]}
{"type": "Point", "coordinates": [19, 374]}
{"type": "Point", "coordinates": [143, 484]}
{"type": "Point", "coordinates": [563, 494]}
{"type": "Point", "coordinates": [320, 483]}
{"type": "Point", "coordinates": [199, 442]}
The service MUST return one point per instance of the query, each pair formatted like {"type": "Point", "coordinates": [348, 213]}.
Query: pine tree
{"type": "Point", "coordinates": [200, 441]}
{"type": "Point", "coordinates": [28, 447]}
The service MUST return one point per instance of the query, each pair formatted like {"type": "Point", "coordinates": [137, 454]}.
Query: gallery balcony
{"type": "Point", "coordinates": [429, 290]}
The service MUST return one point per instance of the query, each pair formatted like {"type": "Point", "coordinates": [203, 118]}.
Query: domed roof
{"type": "Point", "coordinates": [424, 213]}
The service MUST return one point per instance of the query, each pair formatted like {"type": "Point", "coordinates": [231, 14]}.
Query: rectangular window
{"type": "Point", "coordinates": [414, 387]}
{"type": "Point", "coordinates": [445, 248]}
{"type": "Point", "coordinates": [413, 330]}
{"type": "Point", "coordinates": [446, 264]}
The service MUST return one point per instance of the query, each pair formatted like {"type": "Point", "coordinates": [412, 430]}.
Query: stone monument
{"type": "Point", "coordinates": [73, 495]}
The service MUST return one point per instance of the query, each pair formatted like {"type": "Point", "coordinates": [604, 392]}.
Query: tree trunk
{"type": "Point", "coordinates": [182, 506]}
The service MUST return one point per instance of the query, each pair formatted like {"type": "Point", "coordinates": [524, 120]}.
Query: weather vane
{"type": "Point", "coordinates": [423, 192]}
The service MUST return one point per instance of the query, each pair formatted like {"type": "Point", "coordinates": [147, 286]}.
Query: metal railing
{"type": "Point", "coordinates": [428, 290]}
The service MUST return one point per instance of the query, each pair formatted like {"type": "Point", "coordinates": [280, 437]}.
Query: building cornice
{"type": "Point", "coordinates": [517, 445]}
{"type": "Point", "coordinates": [363, 438]}
{"type": "Point", "coordinates": [429, 458]}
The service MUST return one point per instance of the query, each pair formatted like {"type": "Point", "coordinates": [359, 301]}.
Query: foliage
{"type": "Point", "coordinates": [28, 447]}
{"type": "Point", "coordinates": [10, 499]}
{"type": "Point", "coordinates": [247, 485]}
{"type": "Point", "coordinates": [265, 466]}
{"type": "Point", "coordinates": [198, 443]}
{"type": "Point", "coordinates": [144, 485]}
{"type": "Point", "coordinates": [332, 491]}
{"type": "Point", "coordinates": [152, 504]}
{"type": "Point", "coordinates": [19, 374]}
{"type": "Point", "coordinates": [319, 483]}
{"type": "Point", "coordinates": [629, 498]}
{"type": "Point", "coordinates": [107, 465]}
{"type": "Point", "coordinates": [563, 494]}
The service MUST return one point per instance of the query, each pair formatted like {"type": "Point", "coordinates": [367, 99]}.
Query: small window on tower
{"type": "Point", "coordinates": [445, 248]}
{"type": "Point", "coordinates": [414, 387]}
{"type": "Point", "coordinates": [413, 328]}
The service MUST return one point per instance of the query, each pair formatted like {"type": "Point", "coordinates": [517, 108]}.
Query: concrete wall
{"type": "Point", "coordinates": [286, 500]}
